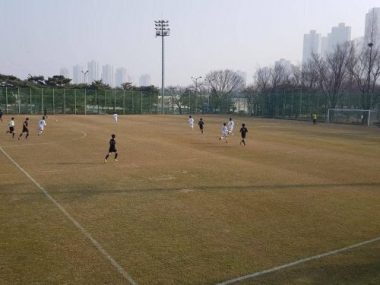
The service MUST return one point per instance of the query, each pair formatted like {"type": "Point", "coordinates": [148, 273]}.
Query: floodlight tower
{"type": "Point", "coordinates": [162, 30]}
{"type": "Point", "coordinates": [84, 76]}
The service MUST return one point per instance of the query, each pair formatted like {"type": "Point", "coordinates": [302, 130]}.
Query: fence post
{"type": "Point", "coordinates": [97, 100]}
{"type": "Point", "coordinates": [301, 103]}
{"type": "Point", "coordinates": [30, 100]}
{"type": "Point", "coordinates": [19, 100]}
{"type": "Point", "coordinates": [6, 99]}
{"type": "Point", "coordinates": [75, 101]}
{"type": "Point", "coordinates": [42, 100]}
{"type": "Point", "coordinates": [133, 105]}
{"type": "Point", "coordinates": [64, 101]}
{"type": "Point", "coordinates": [114, 101]}
{"type": "Point", "coordinates": [53, 103]}
{"type": "Point", "coordinates": [141, 102]}
{"type": "Point", "coordinates": [85, 101]}
{"type": "Point", "coordinates": [123, 102]}
{"type": "Point", "coordinates": [105, 99]}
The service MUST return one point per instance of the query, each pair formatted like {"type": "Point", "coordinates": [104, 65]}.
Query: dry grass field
{"type": "Point", "coordinates": [184, 208]}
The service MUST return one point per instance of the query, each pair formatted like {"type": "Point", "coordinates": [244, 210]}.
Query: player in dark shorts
{"type": "Point", "coordinates": [25, 129]}
{"type": "Point", "coordinates": [243, 132]}
{"type": "Point", "coordinates": [201, 124]}
{"type": "Point", "coordinates": [112, 148]}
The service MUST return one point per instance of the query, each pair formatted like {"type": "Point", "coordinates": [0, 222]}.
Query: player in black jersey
{"type": "Point", "coordinates": [201, 124]}
{"type": "Point", "coordinates": [243, 132]}
{"type": "Point", "coordinates": [25, 129]}
{"type": "Point", "coordinates": [112, 148]}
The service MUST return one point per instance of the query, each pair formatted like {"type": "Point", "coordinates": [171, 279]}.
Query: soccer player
{"type": "Point", "coordinates": [243, 132]}
{"type": "Point", "coordinates": [11, 126]}
{"type": "Point", "coordinates": [41, 125]}
{"type": "Point", "coordinates": [230, 126]}
{"type": "Point", "coordinates": [224, 132]}
{"type": "Point", "coordinates": [115, 116]}
{"type": "Point", "coordinates": [201, 124]}
{"type": "Point", "coordinates": [1, 115]}
{"type": "Point", "coordinates": [314, 116]}
{"type": "Point", "coordinates": [112, 148]}
{"type": "Point", "coordinates": [25, 129]}
{"type": "Point", "coordinates": [191, 122]}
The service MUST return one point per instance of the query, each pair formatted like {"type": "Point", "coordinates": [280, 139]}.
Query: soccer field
{"type": "Point", "coordinates": [180, 207]}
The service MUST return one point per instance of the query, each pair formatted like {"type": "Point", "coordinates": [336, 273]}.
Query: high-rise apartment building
{"type": "Point", "coordinates": [107, 75]}
{"type": "Point", "coordinates": [372, 27]}
{"type": "Point", "coordinates": [77, 74]}
{"type": "Point", "coordinates": [339, 35]}
{"type": "Point", "coordinates": [93, 71]}
{"type": "Point", "coordinates": [120, 76]}
{"type": "Point", "coordinates": [145, 80]}
{"type": "Point", "coordinates": [311, 44]}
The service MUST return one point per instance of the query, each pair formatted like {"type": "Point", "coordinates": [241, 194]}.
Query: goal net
{"type": "Point", "coordinates": [353, 116]}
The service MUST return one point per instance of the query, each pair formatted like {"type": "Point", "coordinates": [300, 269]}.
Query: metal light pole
{"type": "Point", "coordinates": [195, 80]}
{"type": "Point", "coordinates": [84, 75]}
{"type": "Point", "coordinates": [85, 93]}
{"type": "Point", "coordinates": [370, 45]}
{"type": "Point", "coordinates": [162, 30]}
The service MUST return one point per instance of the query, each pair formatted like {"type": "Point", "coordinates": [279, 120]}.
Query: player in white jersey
{"type": "Point", "coordinates": [224, 133]}
{"type": "Point", "coordinates": [11, 126]}
{"type": "Point", "coordinates": [41, 125]}
{"type": "Point", "coordinates": [230, 126]}
{"type": "Point", "coordinates": [191, 122]}
{"type": "Point", "coordinates": [115, 116]}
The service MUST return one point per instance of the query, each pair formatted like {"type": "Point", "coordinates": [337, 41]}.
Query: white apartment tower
{"type": "Point", "coordinates": [77, 74]}
{"type": "Point", "coordinates": [120, 76]}
{"type": "Point", "coordinates": [93, 71]}
{"type": "Point", "coordinates": [107, 75]}
{"type": "Point", "coordinates": [372, 27]}
{"type": "Point", "coordinates": [338, 35]}
{"type": "Point", "coordinates": [311, 44]}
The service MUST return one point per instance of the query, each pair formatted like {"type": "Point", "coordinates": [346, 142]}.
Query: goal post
{"type": "Point", "coordinates": [353, 116]}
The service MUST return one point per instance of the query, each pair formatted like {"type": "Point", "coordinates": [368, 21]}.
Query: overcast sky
{"type": "Point", "coordinates": [41, 36]}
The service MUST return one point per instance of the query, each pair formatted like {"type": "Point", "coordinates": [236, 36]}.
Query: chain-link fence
{"type": "Point", "coordinates": [291, 103]}
{"type": "Point", "coordinates": [76, 101]}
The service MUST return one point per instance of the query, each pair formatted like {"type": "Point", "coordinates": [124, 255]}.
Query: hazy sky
{"type": "Point", "coordinates": [41, 36]}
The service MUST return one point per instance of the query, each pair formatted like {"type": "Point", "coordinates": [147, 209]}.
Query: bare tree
{"type": "Point", "coordinates": [333, 71]}
{"type": "Point", "coordinates": [309, 75]}
{"type": "Point", "coordinates": [262, 78]}
{"type": "Point", "coordinates": [224, 82]}
{"type": "Point", "coordinates": [365, 65]}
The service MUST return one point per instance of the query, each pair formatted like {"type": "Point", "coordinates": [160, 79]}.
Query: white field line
{"type": "Point", "coordinates": [97, 245]}
{"type": "Point", "coordinates": [294, 263]}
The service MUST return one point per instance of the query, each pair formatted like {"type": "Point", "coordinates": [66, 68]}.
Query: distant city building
{"type": "Point", "coordinates": [372, 27]}
{"type": "Point", "coordinates": [338, 35]}
{"type": "Point", "coordinates": [145, 80]}
{"type": "Point", "coordinates": [77, 74]}
{"type": "Point", "coordinates": [311, 44]}
{"type": "Point", "coordinates": [288, 66]}
{"type": "Point", "coordinates": [120, 76]}
{"type": "Point", "coordinates": [107, 75]}
{"type": "Point", "coordinates": [65, 72]}
{"type": "Point", "coordinates": [93, 71]}
{"type": "Point", "coordinates": [324, 45]}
